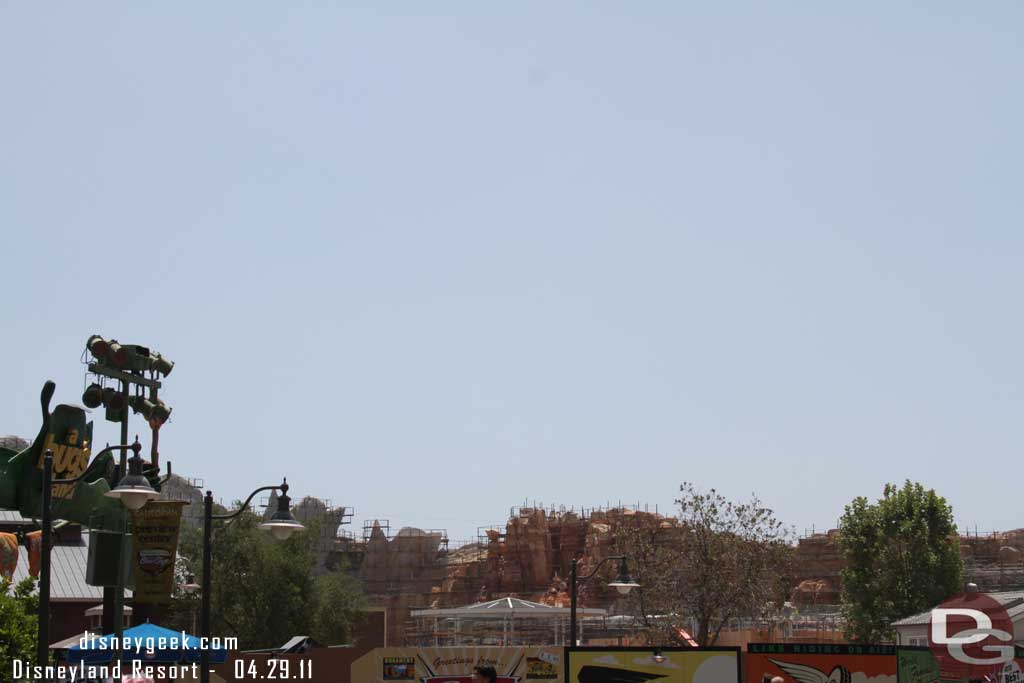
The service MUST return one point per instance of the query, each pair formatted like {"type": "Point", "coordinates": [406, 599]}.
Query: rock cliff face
{"type": "Point", "coordinates": [524, 559]}
{"type": "Point", "coordinates": [179, 488]}
{"type": "Point", "coordinates": [329, 520]}
{"type": "Point", "coordinates": [817, 565]}
{"type": "Point", "coordinates": [996, 561]}
{"type": "Point", "coordinates": [410, 571]}
{"type": "Point", "coordinates": [533, 557]}
{"type": "Point", "coordinates": [529, 559]}
{"type": "Point", "coordinates": [15, 443]}
{"type": "Point", "coordinates": [993, 561]}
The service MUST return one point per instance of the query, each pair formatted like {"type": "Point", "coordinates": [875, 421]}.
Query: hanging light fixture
{"type": "Point", "coordinates": [133, 490]}
{"type": "Point", "coordinates": [283, 524]}
{"type": "Point", "coordinates": [190, 586]}
{"type": "Point", "coordinates": [98, 347]}
{"type": "Point", "coordinates": [93, 396]}
{"type": "Point", "coordinates": [623, 581]}
{"type": "Point", "coordinates": [150, 408]}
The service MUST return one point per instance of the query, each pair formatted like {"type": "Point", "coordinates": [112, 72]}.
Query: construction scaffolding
{"type": "Point", "coordinates": [370, 524]}
{"type": "Point", "coordinates": [789, 624]}
{"type": "Point", "coordinates": [994, 561]}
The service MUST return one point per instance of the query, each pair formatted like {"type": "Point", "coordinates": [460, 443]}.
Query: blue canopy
{"type": "Point", "coordinates": [145, 642]}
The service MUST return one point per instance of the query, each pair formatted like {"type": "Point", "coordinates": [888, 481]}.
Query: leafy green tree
{"type": "Point", "coordinates": [901, 556]}
{"type": "Point", "coordinates": [262, 587]}
{"type": "Point", "coordinates": [182, 614]}
{"type": "Point", "coordinates": [653, 547]}
{"type": "Point", "coordinates": [19, 625]}
{"type": "Point", "coordinates": [264, 591]}
{"type": "Point", "coordinates": [340, 605]}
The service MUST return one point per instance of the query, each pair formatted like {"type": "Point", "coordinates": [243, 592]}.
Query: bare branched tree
{"type": "Point", "coordinates": [716, 561]}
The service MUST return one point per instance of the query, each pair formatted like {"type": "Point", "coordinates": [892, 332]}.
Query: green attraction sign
{"type": "Point", "coordinates": [68, 434]}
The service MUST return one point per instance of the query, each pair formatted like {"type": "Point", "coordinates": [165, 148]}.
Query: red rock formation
{"type": "Point", "coordinates": [531, 559]}
{"type": "Point", "coordinates": [817, 565]}
{"type": "Point", "coordinates": [995, 562]}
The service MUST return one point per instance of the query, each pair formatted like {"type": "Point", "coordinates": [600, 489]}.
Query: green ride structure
{"type": "Point", "coordinates": [66, 432]}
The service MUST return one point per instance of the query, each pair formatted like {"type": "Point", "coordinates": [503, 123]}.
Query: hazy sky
{"type": "Point", "coordinates": [433, 260]}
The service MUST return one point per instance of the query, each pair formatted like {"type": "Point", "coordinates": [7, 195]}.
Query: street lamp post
{"type": "Point", "coordinates": [189, 587]}
{"type": "Point", "coordinates": [43, 646]}
{"type": "Point", "coordinates": [281, 525]}
{"type": "Point", "coordinates": [134, 491]}
{"type": "Point", "coordinates": [623, 583]}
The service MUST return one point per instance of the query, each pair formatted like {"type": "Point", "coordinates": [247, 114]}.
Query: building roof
{"type": "Point", "coordinates": [68, 563]}
{"type": "Point", "coordinates": [506, 607]}
{"type": "Point", "coordinates": [68, 643]}
{"type": "Point", "coordinates": [15, 443]}
{"type": "Point", "coordinates": [298, 644]}
{"type": "Point", "coordinates": [13, 516]}
{"type": "Point", "coordinates": [1013, 601]}
{"type": "Point", "coordinates": [97, 611]}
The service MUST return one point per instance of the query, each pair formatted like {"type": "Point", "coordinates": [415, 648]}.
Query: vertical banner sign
{"type": "Point", "coordinates": [154, 546]}
{"type": "Point", "coordinates": [640, 665]}
{"type": "Point", "coordinates": [824, 662]}
{"type": "Point", "coordinates": [455, 664]}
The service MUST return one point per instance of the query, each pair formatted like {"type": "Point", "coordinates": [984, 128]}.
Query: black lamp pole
{"type": "Point", "coordinates": [572, 603]}
{"type": "Point", "coordinates": [622, 582]}
{"type": "Point", "coordinates": [208, 517]}
{"type": "Point", "coordinates": [204, 610]}
{"type": "Point", "coordinates": [43, 646]}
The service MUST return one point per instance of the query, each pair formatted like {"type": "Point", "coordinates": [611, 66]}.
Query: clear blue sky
{"type": "Point", "coordinates": [432, 262]}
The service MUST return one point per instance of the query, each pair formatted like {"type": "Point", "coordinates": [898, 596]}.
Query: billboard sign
{"type": "Point", "coordinates": [808, 663]}
{"type": "Point", "coordinates": [663, 665]}
{"type": "Point", "coordinates": [456, 664]}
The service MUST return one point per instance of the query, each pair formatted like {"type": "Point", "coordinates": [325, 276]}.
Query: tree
{"type": "Point", "coordinates": [262, 588]}
{"type": "Point", "coordinates": [339, 606]}
{"type": "Point", "coordinates": [902, 557]}
{"type": "Point", "coordinates": [19, 625]}
{"type": "Point", "coordinates": [719, 560]}
{"type": "Point", "coordinates": [264, 591]}
{"type": "Point", "coordinates": [652, 545]}
{"type": "Point", "coordinates": [182, 614]}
